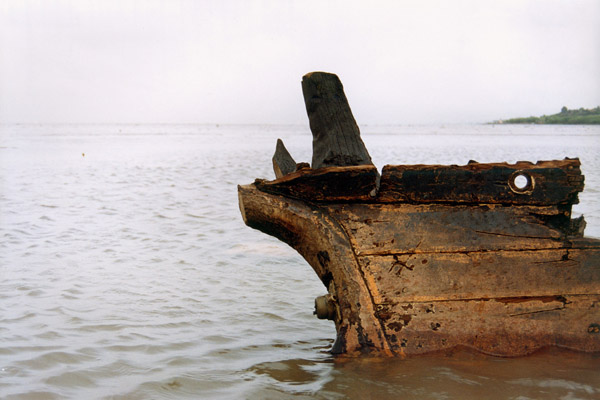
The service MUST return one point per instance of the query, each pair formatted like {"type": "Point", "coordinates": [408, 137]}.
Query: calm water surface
{"type": "Point", "coordinates": [127, 272]}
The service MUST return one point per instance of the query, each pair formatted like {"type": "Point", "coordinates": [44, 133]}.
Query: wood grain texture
{"type": "Point", "coordinates": [428, 258]}
{"type": "Point", "coordinates": [382, 229]}
{"type": "Point", "coordinates": [324, 245]}
{"type": "Point", "coordinates": [551, 183]}
{"type": "Point", "coordinates": [283, 163]}
{"type": "Point", "coordinates": [483, 275]}
{"type": "Point", "coordinates": [336, 137]}
{"type": "Point", "coordinates": [332, 184]}
{"type": "Point", "coordinates": [508, 287]}
{"type": "Point", "coordinates": [500, 326]}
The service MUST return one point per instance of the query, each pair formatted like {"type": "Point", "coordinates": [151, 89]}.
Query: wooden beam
{"type": "Point", "coordinates": [543, 183]}
{"type": "Point", "coordinates": [336, 137]}
{"type": "Point", "coordinates": [332, 184]}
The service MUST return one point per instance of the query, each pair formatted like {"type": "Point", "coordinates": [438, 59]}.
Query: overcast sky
{"type": "Point", "coordinates": [242, 61]}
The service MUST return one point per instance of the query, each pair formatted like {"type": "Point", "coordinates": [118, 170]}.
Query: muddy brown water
{"type": "Point", "coordinates": [127, 272]}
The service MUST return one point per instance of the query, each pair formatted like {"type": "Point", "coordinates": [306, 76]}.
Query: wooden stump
{"type": "Point", "coordinates": [336, 137]}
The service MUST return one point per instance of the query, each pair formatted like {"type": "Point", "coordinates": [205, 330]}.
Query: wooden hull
{"type": "Point", "coordinates": [425, 258]}
{"type": "Point", "coordinates": [408, 279]}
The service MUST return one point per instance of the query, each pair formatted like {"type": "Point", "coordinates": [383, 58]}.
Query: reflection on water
{"type": "Point", "coordinates": [126, 270]}
{"type": "Point", "coordinates": [549, 374]}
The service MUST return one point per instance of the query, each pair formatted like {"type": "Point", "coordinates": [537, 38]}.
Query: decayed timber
{"type": "Point", "coordinates": [426, 258]}
{"type": "Point", "coordinates": [336, 137]}
{"type": "Point", "coordinates": [409, 279]}
{"type": "Point", "coordinates": [283, 163]}
{"type": "Point", "coordinates": [326, 184]}
{"type": "Point", "coordinates": [547, 182]}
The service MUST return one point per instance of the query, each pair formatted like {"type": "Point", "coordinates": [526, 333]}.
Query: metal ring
{"type": "Point", "coordinates": [521, 189]}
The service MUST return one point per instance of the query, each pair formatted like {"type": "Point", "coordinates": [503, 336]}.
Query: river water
{"type": "Point", "coordinates": [126, 271]}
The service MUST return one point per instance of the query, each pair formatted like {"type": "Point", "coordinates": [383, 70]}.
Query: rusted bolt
{"type": "Point", "coordinates": [324, 308]}
{"type": "Point", "coordinates": [594, 328]}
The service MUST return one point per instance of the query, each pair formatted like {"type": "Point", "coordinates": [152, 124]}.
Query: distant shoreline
{"type": "Point", "coordinates": [581, 116]}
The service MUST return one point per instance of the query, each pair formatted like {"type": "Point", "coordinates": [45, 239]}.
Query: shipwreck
{"type": "Point", "coordinates": [427, 258]}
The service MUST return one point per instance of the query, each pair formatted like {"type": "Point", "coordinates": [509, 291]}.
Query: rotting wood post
{"type": "Point", "coordinates": [336, 137]}
{"type": "Point", "coordinates": [283, 163]}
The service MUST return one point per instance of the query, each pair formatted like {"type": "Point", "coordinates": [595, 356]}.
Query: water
{"type": "Point", "coordinates": [126, 271]}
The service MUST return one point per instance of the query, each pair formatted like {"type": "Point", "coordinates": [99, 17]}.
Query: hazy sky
{"type": "Point", "coordinates": [242, 61]}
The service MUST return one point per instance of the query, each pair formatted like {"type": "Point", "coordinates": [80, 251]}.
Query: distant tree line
{"type": "Point", "coordinates": [581, 116]}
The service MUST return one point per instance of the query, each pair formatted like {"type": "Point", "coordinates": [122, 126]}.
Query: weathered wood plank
{"type": "Point", "coordinates": [322, 242]}
{"type": "Point", "coordinates": [283, 163]}
{"type": "Point", "coordinates": [380, 229]}
{"type": "Point", "coordinates": [503, 327]}
{"type": "Point", "coordinates": [333, 184]}
{"type": "Point", "coordinates": [482, 275]}
{"type": "Point", "coordinates": [336, 137]}
{"type": "Point", "coordinates": [545, 183]}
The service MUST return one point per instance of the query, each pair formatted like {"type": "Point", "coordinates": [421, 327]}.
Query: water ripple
{"type": "Point", "coordinates": [128, 273]}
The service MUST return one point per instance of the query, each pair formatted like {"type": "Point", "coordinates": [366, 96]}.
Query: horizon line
{"type": "Point", "coordinates": [250, 123]}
